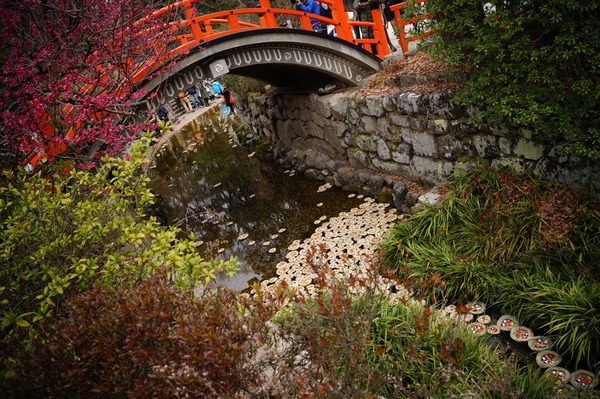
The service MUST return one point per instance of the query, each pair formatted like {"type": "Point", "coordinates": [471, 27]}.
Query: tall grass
{"type": "Point", "coordinates": [437, 357]}
{"type": "Point", "coordinates": [527, 245]}
{"type": "Point", "coordinates": [568, 309]}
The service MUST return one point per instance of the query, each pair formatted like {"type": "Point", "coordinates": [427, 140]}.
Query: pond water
{"type": "Point", "coordinates": [207, 183]}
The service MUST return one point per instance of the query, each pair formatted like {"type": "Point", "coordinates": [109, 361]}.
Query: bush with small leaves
{"type": "Point", "coordinates": [529, 63]}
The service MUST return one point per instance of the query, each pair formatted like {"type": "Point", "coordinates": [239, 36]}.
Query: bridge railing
{"type": "Point", "coordinates": [401, 24]}
{"type": "Point", "coordinates": [194, 31]}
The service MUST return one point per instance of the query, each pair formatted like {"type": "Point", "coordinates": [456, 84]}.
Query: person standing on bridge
{"type": "Point", "coordinates": [185, 101]}
{"type": "Point", "coordinates": [202, 93]}
{"type": "Point", "coordinates": [311, 6]}
{"type": "Point", "coordinates": [217, 88]}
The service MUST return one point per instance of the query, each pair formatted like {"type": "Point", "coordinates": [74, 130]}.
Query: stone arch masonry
{"type": "Point", "coordinates": [374, 143]}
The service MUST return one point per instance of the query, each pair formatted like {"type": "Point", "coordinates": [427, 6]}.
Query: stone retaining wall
{"type": "Point", "coordinates": [376, 144]}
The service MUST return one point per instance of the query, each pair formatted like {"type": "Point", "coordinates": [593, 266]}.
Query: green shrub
{"type": "Point", "coordinates": [61, 233]}
{"type": "Point", "coordinates": [529, 246]}
{"type": "Point", "coordinates": [438, 357]}
{"type": "Point", "coordinates": [566, 308]}
{"type": "Point", "coordinates": [529, 63]}
{"type": "Point", "coordinates": [347, 341]}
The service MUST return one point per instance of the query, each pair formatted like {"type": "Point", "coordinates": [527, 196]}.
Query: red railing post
{"type": "Point", "coordinates": [402, 23]}
{"type": "Point", "coordinates": [381, 43]}
{"type": "Point", "coordinates": [190, 13]}
{"type": "Point", "coordinates": [267, 19]}
{"type": "Point", "coordinates": [343, 29]}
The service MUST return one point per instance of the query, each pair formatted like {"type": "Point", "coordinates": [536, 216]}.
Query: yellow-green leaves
{"type": "Point", "coordinates": [60, 234]}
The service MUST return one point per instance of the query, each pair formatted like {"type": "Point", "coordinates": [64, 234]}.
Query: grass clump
{"type": "Point", "coordinates": [529, 246]}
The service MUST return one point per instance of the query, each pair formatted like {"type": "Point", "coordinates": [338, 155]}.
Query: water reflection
{"type": "Point", "coordinates": [212, 186]}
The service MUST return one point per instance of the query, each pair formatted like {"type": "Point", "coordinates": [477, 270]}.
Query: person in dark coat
{"type": "Point", "coordinates": [363, 9]}
{"type": "Point", "coordinates": [162, 114]}
{"type": "Point", "coordinates": [204, 96]}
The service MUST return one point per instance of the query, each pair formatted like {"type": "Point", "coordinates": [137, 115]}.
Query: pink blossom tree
{"type": "Point", "coordinates": [69, 69]}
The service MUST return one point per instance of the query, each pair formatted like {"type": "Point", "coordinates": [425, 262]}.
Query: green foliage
{"type": "Point", "coordinates": [568, 308]}
{"type": "Point", "coordinates": [346, 340]}
{"type": "Point", "coordinates": [530, 63]}
{"type": "Point", "coordinates": [528, 246]}
{"type": "Point", "coordinates": [60, 234]}
{"type": "Point", "coordinates": [326, 336]}
{"type": "Point", "coordinates": [146, 341]}
{"type": "Point", "coordinates": [438, 357]}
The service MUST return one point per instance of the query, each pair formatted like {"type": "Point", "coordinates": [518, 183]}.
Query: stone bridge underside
{"type": "Point", "coordinates": [288, 59]}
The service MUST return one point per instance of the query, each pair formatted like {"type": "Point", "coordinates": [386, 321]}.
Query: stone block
{"type": "Point", "coordinates": [383, 152]}
{"type": "Point", "coordinates": [486, 146]}
{"type": "Point", "coordinates": [369, 124]}
{"type": "Point", "coordinates": [314, 130]}
{"type": "Point", "coordinates": [388, 131]}
{"type": "Point", "coordinates": [340, 106]}
{"type": "Point", "coordinates": [529, 149]}
{"type": "Point", "coordinates": [423, 144]}
{"type": "Point", "coordinates": [505, 145]}
{"type": "Point", "coordinates": [366, 143]}
{"type": "Point", "coordinates": [358, 159]}
{"type": "Point", "coordinates": [349, 139]}
{"type": "Point", "coordinates": [391, 168]}
{"type": "Point", "coordinates": [372, 106]}
{"type": "Point", "coordinates": [399, 120]}
{"type": "Point", "coordinates": [409, 103]}
{"type": "Point", "coordinates": [331, 138]}
{"type": "Point", "coordinates": [403, 154]}
{"type": "Point", "coordinates": [432, 170]}
{"type": "Point", "coordinates": [451, 148]}
{"type": "Point", "coordinates": [513, 163]}
{"type": "Point", "coordinates": [439, 126]}
{"type": "Point", "coordinates": [418, 123]}
{"type": "Point", "coordinates": [441, 105]}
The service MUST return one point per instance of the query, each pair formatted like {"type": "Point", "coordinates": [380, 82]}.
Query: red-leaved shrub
{"type": "Point", "coordinates": [150, 341]}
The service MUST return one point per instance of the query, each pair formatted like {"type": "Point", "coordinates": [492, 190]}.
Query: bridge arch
{"type": "Point", "coordinates": [291, 60]}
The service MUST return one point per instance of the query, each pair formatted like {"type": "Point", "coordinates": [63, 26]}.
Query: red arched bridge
{"type": "Point", "coordinates": [275, 45]}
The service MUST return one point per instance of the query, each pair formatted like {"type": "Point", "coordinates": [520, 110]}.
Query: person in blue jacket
{"type": "Point", "coordinates": [217, 88]}
{"type": "Point", "coordinates": [312, 7]}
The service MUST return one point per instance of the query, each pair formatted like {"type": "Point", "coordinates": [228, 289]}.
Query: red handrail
{"type": "Point", "coordinates": [403, 39]}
